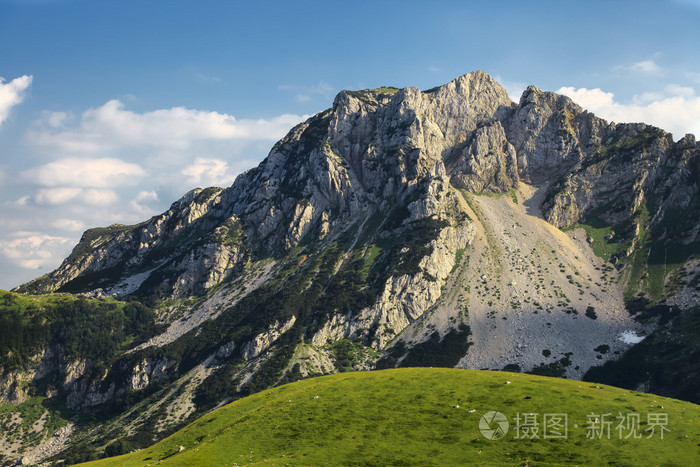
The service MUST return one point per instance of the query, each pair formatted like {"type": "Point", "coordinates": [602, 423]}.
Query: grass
{"type": "Point", "coordinates": [369, 260]}
{"type": "Point", "coordinates": [410, 417]}
{"type": "Point", "coordinates": [458, 258]}
{"type": "Point", "coordinates": [30, 304]}
{"type": "Point", "coordinates": [601, 247]}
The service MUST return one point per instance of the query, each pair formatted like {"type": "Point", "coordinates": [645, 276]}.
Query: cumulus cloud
{"type": "Point", "coordinates": [33, 250]}
{"type": "Point", "coordinates": [54, 196]}
{"type": "Point", "coordinates": [142, 205]}
{"type": "Point", "coordinates": [675, 109]}
{"type": "Point", "coordinates": [111, 127]}
{"type": "Point", "coordinates": [85, 172]}
{"type": "Point", "coordinates": [206, 172]}
{"type": "Point", "coordinates": [645, 66]}
{"type": "Point", "coordinates": [70, 225]}
{"type": "Point", "coordinates": [62, 195]}
{"type": "Point", "coordinates": [12, 94]}
{"type": "Point", "coordinates": [112, 164]}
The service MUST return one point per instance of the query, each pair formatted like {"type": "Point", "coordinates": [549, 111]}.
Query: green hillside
{"type": "Point", "coordinates": [432, 417]}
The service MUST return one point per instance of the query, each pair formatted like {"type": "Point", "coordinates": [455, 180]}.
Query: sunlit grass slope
{"type": "Point", "coordinates": [410, 417]}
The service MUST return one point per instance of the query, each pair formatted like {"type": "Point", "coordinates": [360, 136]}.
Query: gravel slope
{"type": "Point", "coordinates": [524, 287]}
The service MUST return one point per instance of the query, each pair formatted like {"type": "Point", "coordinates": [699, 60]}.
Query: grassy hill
{"type": "Point", "coordinates": [410, 417]}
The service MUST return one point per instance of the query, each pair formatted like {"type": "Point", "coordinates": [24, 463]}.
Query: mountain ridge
{"type": "Point", "coordinates": [397, 227]}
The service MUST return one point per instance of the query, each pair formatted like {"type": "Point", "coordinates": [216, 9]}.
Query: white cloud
{"type": "Point", "coordinates": [58, 119]}
{"type": "Point", "coordinates": [676, 109]}
{"type": "Point", "coordinates": [62, 195]}
{"type": "Point", "coordinates": [84, 172]}
{"type": "Point", "coordinates": [594, 100]}
{"type": "Point", "coordinates": [111, 127]}
{"type": "Point", "coordinates": [645, 66]}
{"type": "Point", "coordinates": [70, 225]}
{"type": "Point", "coordinates": [54, 196]}
{"type": "Point", "coordinates": [23, 201]}
{"type": "Point", "coordinates": [207, 172]}
{"type": "Point", "coordinates": [12, 94]}
{"type": "Point", "coordinates": [33, 250]}
{"type": "Point", "coordinates": [146, 196]}
{"type": "Point", "coordinates": [141, 205]}
{"type": "Point", "coordinates": [99, 197]}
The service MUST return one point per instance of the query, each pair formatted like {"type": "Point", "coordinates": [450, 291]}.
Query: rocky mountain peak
{"type": "Point", "coordinates": [475, 87]}
{"type": "Point", "coordinates": [447, 227]}
{"type": "Point", "coordinates": [374, 150]}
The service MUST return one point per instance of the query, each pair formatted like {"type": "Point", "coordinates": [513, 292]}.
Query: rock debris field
{"type": "Point", "coordinates": [531, 294]}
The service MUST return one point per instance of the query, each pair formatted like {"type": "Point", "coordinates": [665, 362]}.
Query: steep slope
{"type": "Point", "coordinates": [532, 295]}
{"type": "Point", "coordinates": [450, 227]}
{"type": "Point", "coordinates": [353, 419]}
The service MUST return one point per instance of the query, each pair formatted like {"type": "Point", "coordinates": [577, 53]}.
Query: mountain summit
{"type": "Point", "coordinates": [447, 227]}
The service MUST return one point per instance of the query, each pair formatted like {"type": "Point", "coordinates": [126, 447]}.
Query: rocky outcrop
{"type": "Point", "coordinates": [94, 389]}
{"type": "Point", "coordinates": [403, 299]}
{"type": "Point", "coordinates": [14, 384]}
{"type": "Point", "coordinates": [636, 164]}
{"type": "Point", "coordinates": [178, 250]}
{"type": "Point", "coordinates": [488, 163]}
{"type": "Point", "coordinates": [11, 387]}
{"type": "Point", "coordinates": [264, 340]}
{"type": "Point", "coordinates": [148, 370]}
{"type": "Point", "coordinates": [551, 134]}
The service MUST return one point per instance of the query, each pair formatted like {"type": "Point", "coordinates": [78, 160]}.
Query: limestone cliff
{"type": "Point", "coordinates": [390, 229]}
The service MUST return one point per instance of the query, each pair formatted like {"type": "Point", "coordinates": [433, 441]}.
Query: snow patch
{"type": "Point", "coordinates": [630, 337]}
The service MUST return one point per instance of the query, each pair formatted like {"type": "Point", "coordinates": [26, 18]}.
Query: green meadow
{"type": "Point", "coordinates": [431, 416]}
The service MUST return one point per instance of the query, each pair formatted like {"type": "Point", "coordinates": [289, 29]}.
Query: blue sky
{"type": "Point", "coordinates": [110, 111]}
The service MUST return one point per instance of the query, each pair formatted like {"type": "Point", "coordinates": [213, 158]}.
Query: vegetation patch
{"type": "Point", "coordinates": [666, 362]}
{"type": "Point", "coordinates": [424, 417]}
{"type": "Point", "coordinates": [372, 95]}
{"type": "Point", "coordinates": [348, 355]}
{"type": "Point", "coordinates": [556, 369]}
{"type": "Point", "coordinates": [590, 312]}
{"type": "Point", "coordinates": [440, 352]}
{"type": "Point", "coordinates": [94, 328]}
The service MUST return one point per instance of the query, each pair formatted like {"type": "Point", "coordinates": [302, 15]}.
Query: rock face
{"type": "Point", "coordinates": [182, 252]}
{"type": "Point", "coordinates": [262, 341]}
{"type": "Point", "coordinates": [359, 241]}
{"type": "Point", "coordinates": [488, 163]}
{"type": "Point", "coordinates": [551, 134]}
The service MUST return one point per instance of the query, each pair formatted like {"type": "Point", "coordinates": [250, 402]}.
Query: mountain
{"type": "Point", "coordinates": [448, 227]}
